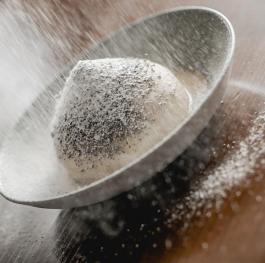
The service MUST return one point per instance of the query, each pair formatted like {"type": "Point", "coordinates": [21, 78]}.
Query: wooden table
{"type": "Point", "coordinates": [145, 225]}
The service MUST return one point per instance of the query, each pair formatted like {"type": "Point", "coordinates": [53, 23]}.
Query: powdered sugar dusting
{"type": "Point", "coordinates": [113, 110]}
{"type": "Point", "coordinates": [212, 190]}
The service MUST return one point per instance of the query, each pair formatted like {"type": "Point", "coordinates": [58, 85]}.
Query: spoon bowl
{"type": "Point", "coordinates": [195, 43]}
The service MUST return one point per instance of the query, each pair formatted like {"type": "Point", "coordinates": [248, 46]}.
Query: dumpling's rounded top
{"type": "Point", "coordinates": [111, 111]}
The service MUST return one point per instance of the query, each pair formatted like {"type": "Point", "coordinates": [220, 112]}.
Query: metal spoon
{"type": "Point", "coordinates": [196, 41]}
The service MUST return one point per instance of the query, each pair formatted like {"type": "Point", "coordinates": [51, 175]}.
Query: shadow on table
{"type": "Point", "coordinates": [120, 229]}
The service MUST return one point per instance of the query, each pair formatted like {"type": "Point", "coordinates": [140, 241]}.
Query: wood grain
{"type": "Point", "coordinates": [38, 38]}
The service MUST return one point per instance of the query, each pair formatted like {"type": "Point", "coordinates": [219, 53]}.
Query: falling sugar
{"type": "Point", "coordinates": [212, 190]}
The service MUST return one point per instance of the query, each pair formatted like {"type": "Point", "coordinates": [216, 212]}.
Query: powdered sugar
{"type": "Point", "coordinates": [109, 107]}
{"type": "Point", "coordinates": [231, 172]}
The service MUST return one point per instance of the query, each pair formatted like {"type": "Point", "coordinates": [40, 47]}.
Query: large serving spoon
{"type": "Point", "coordinates": [196, 43]}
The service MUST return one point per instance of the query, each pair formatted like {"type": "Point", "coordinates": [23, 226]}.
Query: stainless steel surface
{"type": "Point", "coordinates": [195, 40]}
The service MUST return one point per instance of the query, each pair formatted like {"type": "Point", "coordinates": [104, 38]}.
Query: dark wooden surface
{"type": "Point", "coordinates": [37, 39]}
